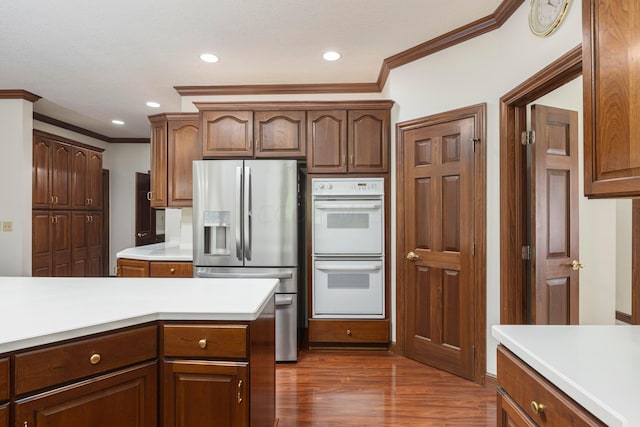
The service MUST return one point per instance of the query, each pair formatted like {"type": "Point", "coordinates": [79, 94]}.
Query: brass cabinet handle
{"type": "Point", "coordinates": [56, 199]}
{"type": "Point", "coordinates": [412, 256]}
{"type": "Point", "coordinates": [576, 265]}
{"type": "Point", "coordinates": [202, 343]}
{"type": "Point", "coordinates": [142, 234]}
{"type": "Point", "coordinates": [172, 270]}
{"type": "Point", "coordinates": [536, 407]}
{"type": "Point", "coordinates": [94, 359]}
{"type": "Point", "coordinates": [149, 195]}
{"type": "Point", "coordinates": [52, 201]}
{"type": "Point", "coordinates": [349, 332]}
{"type": "Point", "coordinates": [240, 391]}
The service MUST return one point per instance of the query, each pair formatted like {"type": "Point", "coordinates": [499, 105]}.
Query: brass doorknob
{"type": "Point", "coordinates": [575, 265]}
{"type": "Point", "coordinates": [536, 407]}
{"type": "Point", "coordinates": [202, 343]}
{"type": "Point", "coordinates": [412, 256]}
{"type": "Point", "coordinates": [94, 359]}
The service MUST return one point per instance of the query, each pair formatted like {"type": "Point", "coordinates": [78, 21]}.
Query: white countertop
{"type": "Point", "coordinates": [36, 311]}
{"type": "Point", "coordinates": [597, 366]}
{"type": "Point", "coordinates": [166, 251]}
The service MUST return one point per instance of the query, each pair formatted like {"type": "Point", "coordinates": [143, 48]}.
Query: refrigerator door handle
{"type": "Point", "coordinates": [248, 208]}
{"type": "Point", "coordinates": [239, 212]}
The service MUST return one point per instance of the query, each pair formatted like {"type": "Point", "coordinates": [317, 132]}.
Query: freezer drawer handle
{"type": "Point", "coordinates": [245, 275]}
{"type": "Point", "coordinates": [282, 300]}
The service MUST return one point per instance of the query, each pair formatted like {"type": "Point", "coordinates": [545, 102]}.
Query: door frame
{"type": "Point", "coordinates": [513, 218]}
{"type": "Point", "coordinates": [478, 112]}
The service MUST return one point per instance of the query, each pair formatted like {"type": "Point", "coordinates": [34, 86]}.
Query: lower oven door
{"type": "Point", "coordinates": [348, 288]}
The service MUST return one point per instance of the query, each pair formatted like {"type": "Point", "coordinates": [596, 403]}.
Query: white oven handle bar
{"type": "Point", "coordinates": [329, 267]}
{"type": "Point", "coordinates": [342, 206]}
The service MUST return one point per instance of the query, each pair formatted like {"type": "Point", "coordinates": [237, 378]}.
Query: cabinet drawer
{"type": "Point", "coordinates": [4, 380]}
{"type": "Point", "coordinates": [526, 387]}
{"type": "Point", "coordinates": [170, 269]}
{"type": "Point", "coordinates": [4, 416]}
{"type": "Point", "coordinates": [222, 341]}
{"type": "Point", "coordinates": [62, 363]}
{"type": "Point", "coordinates": [349, 331]}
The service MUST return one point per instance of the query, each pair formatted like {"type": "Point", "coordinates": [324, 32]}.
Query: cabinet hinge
{"type": "Point", "coordinates": [475, 141]}
{"type": "Point", "coordinates": [528, 137]}
{"type": "Point", "coordinates": [527, 252]}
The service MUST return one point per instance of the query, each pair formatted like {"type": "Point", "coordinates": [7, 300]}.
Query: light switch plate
{"type": "Point", "coordinates": [7, 226]}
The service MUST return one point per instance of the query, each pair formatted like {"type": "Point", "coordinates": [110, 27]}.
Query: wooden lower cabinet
{"type": "Point", "coordinates": [51, 244]}
{"type": "Point", "coordinates": [205, 393]}
{"type": "Point", "coordinates": [132, 268]}
{"type": "Point", "coordinates": [4, 415]}
{"type": "Point", "coordinates": [345, 332]}
{"type": "Point", "coordinates": [526, 399]}
{"type": "Point", "coordinates": [140, 268]}
{"type": "Point", "coordinates": [125, 398]}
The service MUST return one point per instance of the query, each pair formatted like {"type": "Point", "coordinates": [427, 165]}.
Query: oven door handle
{"type": "Point", "coordinates": [341, 206]}
{"type": "Point", "coordinates": [333, 267]}
{"type": "Point", "coordinates": [203, 274]}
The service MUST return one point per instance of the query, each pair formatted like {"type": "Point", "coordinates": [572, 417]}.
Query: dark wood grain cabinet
{"type": "Point", "coordinates": [86, 179]}
{"type": "Point", "coordinates": [327, 140]}
{"type": "Point", "coordinates": [141, 268]}
{"type": "Point", "coordinates": [611, 34]}
{"type": "Point", "coordinates": [175, 144]}
{"type": "Point", "coordinates": [4, 380]}
{"type": "Point", "coordinates": [4, 415]}
{"type": "Point", "coordinates": [526, 399]}
{"type": "Point", "coordinates": [280, 134]}
{"type": "Point", "coordinates": [226, 133]}
{"type": "Point", "coordinates": [86, 243]}
{"type": "Point", "coordinates": [51, 173]}
{"type": "Point", "coordinates": [51, 243]}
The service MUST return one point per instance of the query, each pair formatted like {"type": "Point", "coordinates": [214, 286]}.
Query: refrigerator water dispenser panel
{"type": "Point", "coordinates": [216, 232]}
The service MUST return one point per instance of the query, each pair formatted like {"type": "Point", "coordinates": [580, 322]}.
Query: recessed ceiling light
{"type": "Point", "coordinates": [153, 104]}
{"type": "Point", "coordinates": [117, 122]}
{"type": "Point", "coordinates": [209, 57]}
{"type": "Point", "coordinates": [331, 56]}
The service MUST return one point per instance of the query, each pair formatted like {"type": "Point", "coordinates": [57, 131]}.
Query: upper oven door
{"type": "Point", "coordinates": [347, 227]}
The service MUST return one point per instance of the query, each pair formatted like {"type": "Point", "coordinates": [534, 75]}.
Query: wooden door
{"type": "Point", "coordinates": [184, 147]}
{"type": "Point", "coordinates": [327, 139]}
{"type": "Point", "coordinates": [439, 230]}
{"type": "Point", "coordinates": [79, 159]}
{"type": "Point", "coordinates": [94, 180]}
{"type": "Point", "coordinates": [61, 176]}
{"type": "Point", "coordinates": [145, 214]}
{"type": "Point", "coordinates": [94, 244]}
{"type": "Point", "coordinates": [41, 260]}
{"type": "Point", "coordinates": [61, 243]}
{"type": "Point", "coordinates": [280, 134]}
{"type": "Point", "coordinates": [41, 173]}
{"type": "Point", "coordinates": [227, 133]}
{"type": "Point", "coordinates": [368, 139]}
{"type": "Point", "coordinates": [79, 247]}
{"type": "Point", "coordinates": [199, 393]}
{"type": "Point", "coordinates": [158, 192]}
{"type": "Point", "coordinates": [554, 219]}
{"type": "Point", "coordinates": [126, 398]}
{"type": "Point", "coordinates": [132, 268]}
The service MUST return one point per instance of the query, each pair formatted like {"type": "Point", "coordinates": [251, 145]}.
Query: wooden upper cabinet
{"type": "Point", "coordinates": [368, 140]}
{"type": "Point", "coordinates": [94, 180]}
{"type": "Point", "coordinates": [280, 134]}
{"type": "Point", "coordinates": [51, 174]}
{"type": "Point", "coordinates": [327, 139]}
{"type": "Point", "coordinates": [611, 72]}
{"type": "Point", "coordinates": [158, 192]}
{"type": "Point", "coordinates": [40, 173]}
{"type": "Point", "coordinates": [226, 133]}
{"type": "Point", "coordinates": [60, 176]}
{"type": "Point", "coordinates": [79, 164]}
{"type": "Point", "coordinates": [183, 148]}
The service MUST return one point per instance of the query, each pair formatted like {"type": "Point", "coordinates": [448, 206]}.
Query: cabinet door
{"type": "Point", "coordinates": [201, 393]}
{"type": "Point", "coordinates": [79, 247]}
{"type": "Point", "coordinates": [227, 133]}
{"type": "Point", "coordinates": [94, 180]}
{"type": "Point", "coordinates": [61, 176]}
{"type": "Point", "coordinates": [79, 159]}
{"type": "Point", "coordinates": [368, 138]}
{"type": "Point", "coordinates": [611, 72]}
{"type": "Point", "coordinates": [126, 398]}
{"type": "Point", "coordinates": [94, 244]}
{"type": "Point", "coordinates": [327, 139]}
{"type": "Point", "coordinates": [132, 268]}
{"type": "Point", "coordinates": [41, 173]}
{"type": "Point", "coordinates": [4, 415]}
{"type": "Point", "coordinates": [41, 229]}
{"type": "Point", "coordinates": [184, 147]}
{"type": "Point", "coordinates": [280, 134]}
{"type": "Point", "coordinates": [61, 243]}
{"type": "Point", "coordinates": [158, 193]}
{"type": "Point", "coordinates": [508, 413]}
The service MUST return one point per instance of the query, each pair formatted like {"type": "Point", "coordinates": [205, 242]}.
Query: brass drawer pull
{"type": "Point", "coordinates": [94, 359]}
{"type": "Point", "coordinates": [172, 270]}
{"type": "Point", "coordinates": [536, 407]}
{"type": "Point", "coordinates": [349, 332]}
{"type": "Point", "coordinates": [240, 391]}
{"type": "Point", "coordinates": [202, 343]}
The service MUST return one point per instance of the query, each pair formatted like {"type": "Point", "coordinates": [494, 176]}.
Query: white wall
{"type": "Point", "coordinates": [15, 186]}
{"type": "Point", "coordinates": [623, 255]}
{"type": "Point", "coordinates": [481, 70]}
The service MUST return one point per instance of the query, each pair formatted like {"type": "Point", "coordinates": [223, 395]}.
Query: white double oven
{"type": "Point", "coordinates": [348, 248]}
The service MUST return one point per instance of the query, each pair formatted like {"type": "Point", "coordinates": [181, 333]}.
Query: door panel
{"type": "Point", "coordinates": [439, 227]}
{"type": "Point", "coordinates": [145, 214]}
{"type": "Point", "coordinates": [554, 227]}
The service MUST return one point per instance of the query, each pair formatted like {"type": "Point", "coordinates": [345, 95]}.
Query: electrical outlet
{"type": "Point", "coordinates": [7, 226]}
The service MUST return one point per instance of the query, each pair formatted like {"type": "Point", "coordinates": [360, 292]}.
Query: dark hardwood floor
{"type": "Point", "coordinates": [376, 388]}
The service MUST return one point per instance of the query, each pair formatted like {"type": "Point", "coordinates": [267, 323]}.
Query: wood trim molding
{"type": "Point", "coordinates": [623, 317]}
{"type": "Point", "coordinates": [82, 131]}
{"type": "Point", "coordinates": [19, 94]}
{"type": "Point", "coordinates": [481, 26]}
{"type": "Point", "coordinates": [512, 180]}
{"type": "Point", "coordinates": [377, 104]}
{"type": "Point", "coordinates": [58, 138]}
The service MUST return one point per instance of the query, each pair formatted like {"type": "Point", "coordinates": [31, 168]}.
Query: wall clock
{"type": "Point", "coordinates": [545, 16]}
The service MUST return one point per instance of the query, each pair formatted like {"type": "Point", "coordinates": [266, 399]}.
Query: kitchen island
{"type": "Point", "coordinates": [596, 367]}
{"type": "Point", "coordinates": [106, 352]}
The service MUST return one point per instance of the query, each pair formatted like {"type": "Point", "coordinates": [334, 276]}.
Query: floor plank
{"type": "Point", "coordinates": [376, 388]}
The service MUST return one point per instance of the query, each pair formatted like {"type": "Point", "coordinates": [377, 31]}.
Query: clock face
{"type": "Point", "coordinates": [546, 15]}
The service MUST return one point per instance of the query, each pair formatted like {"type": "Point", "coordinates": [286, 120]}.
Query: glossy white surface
{"type": "Point", "coordinates": [597, 366]}
{"type": "Point", "coordinates": [167, 251]}
{"type": "Point", "coordinates": [36, 311]}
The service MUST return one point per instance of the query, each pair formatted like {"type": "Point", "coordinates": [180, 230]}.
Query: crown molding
{"type": "Point", "coordinates": [481, 26]}
{"type": "Point", "coordinates": [77, 129]}
{"type": "Point", "coordinates": [19, 94]}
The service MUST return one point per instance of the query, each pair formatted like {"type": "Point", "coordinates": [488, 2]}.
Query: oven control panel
{"type": "Point", "coordinates": [347, 186]}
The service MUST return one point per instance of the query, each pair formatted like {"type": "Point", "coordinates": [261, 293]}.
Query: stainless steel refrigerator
{"type": "Point", "coordinates": [245, 225]}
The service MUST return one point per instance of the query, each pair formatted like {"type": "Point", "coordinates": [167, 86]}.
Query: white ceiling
{"type": "Point", "coordinates": [94, 61]}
